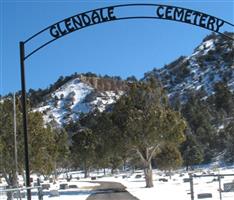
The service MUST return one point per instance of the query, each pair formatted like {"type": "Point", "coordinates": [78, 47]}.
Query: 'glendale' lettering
{"type": "Point", "coordinates": [79, 21]}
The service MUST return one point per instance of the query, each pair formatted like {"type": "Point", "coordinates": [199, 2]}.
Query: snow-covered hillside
{"type": "Point", "coordinates": [74, 98]}
{"type": "Point", "coordinates": [212, 61]}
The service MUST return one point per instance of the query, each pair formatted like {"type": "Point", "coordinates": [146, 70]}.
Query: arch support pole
{"type": "Point", "coordinates": [25, 125]}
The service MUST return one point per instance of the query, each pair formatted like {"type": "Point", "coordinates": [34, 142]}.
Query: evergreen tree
{"type": "Point", "coordinates": [62, 153]}
{"type": "Point", "coordinates": [147, 122]}
{"type": "Point", "coordinates": [131, 79]}
{"type": "Point", "coordinates": [224, 99]}
{"type": "Point", "coordinates": [199, 117]}
{"type": "Point", "coordinates": [169, 157]}
{"type": "Point", "coordinates": [83, 149]}
{"type": "Point", "coordinates": [111, 149]}
{"type": "Point", "coordinates": [42, 143]}
{"type": "Point", "coordinates": [191, 152]}
{"type": "Point", "coordinates": [7, 164]}
{"type": "Point", "coordinates": [229, 143]}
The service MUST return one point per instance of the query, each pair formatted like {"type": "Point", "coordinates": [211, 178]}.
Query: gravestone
{"type": "Point", "coordinates": [63, 186]}
{"type": "Point", "coordinates": [204, 195]}
{"type": "Point", "coordinates": [228, 187]}
{"type": "Point", "coordinates": [181, 175]}
{"type": "Point", "coordinates": [138, 176]}
{"type": "Point", "coordinates": [45, 186]}
{"type": "Point", "coordinates": [186, 180]}
{"type": "Point", "coordinates": [54, 193]}
{"type": "Point", "coordinates": [163, 179]}
{"type": "Point", "coordinates": [124, 176]}
{"type": "Point", "coordinates": [73, 186]}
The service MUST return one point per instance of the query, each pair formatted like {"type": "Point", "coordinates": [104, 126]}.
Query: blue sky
{"type": "Point", "coordinates": [121, 48]}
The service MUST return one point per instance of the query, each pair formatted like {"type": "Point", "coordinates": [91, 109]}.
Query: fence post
{"type": "Point", "coordinates": [40, 192]}
{"type": "Point", "coordinates": [191, 186]}
{"type": "Point", "coordinates": [220, 190]}
{"type": "Point", "coordinates": [9, 193]}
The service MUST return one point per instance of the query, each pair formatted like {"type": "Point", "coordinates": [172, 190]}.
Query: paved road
{"type": "Point", "coordinates": [111, 191]}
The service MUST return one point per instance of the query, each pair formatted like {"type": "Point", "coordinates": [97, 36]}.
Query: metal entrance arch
{"type": "Point", "coordinates": [103, 15]}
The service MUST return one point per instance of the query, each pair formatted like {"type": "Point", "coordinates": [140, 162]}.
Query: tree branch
{"type": "Point", "coordinates": [141, 156]}
{"type": "Point", "coordinates": [153, 151]}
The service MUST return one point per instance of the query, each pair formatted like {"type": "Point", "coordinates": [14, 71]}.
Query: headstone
{"type": "Point", "coordinates": [54, 193]}
{"type": "Point", "coordinates": [186, 180]}
{"type": "Point", "coordinates": [73, 186]}
{"type": "Point", "coordinates": [228, 187]}
{"type": "Point", "coordinates": [181, 175]}
{"type": "Point", "coordinates": [63, 186]}
{"type": "Point", "coordinates": [163, 180]}
{"type": "Point", "coordinates": [204, 195]}
{"type": "Point", "coordinates": [124, 176]}
{"type": "Point", "coordinates": [169, 174]}
{"type": "Point", "coordinates": [45, 186]}
{"type": "Point", "coordinates": [138, 176]}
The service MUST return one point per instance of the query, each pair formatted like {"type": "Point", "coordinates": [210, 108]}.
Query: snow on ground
{"type": "Point", "coordinates": [81, 193]}
{"type": "Point", "coordinates": [83, 190]}
{"type": "Point", "coordinates": [174, 189]}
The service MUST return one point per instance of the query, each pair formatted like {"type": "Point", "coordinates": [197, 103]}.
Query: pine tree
{"type": "Point", "coordinates": [229, 134]}
{"type": "Point", "coordinates": [191, 151]}
{"type": "Point", "coordinates": [169, 158]}
{"type": "Point", "coordinates": [199, 117]}
{"type": "Point", "coordinates": [62, 153]}
{"type": "Point", "coordinates": [224, 99]}
{"type": "Point", "coordinates": [83, 149]}
{"type": "Point", "coordinates": [146, 122]}
{"type": "Point", "coordinates": [42, 146]}
{"type": "Point", "coordinates": [7, 164]}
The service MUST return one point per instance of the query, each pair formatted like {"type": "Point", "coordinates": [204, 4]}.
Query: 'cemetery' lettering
{"type": "Point", "coordinates": [189, 16]}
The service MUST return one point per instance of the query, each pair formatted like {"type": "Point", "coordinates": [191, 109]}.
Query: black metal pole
{"type": "Point", "coordinates": [24, 107]}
